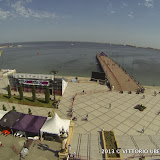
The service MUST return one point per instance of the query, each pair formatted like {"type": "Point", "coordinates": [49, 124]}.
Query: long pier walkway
{"type": "Point", "coordinates": [116, 75]}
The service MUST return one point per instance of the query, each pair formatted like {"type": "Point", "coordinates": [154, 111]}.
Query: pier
{"type": "Point", "coordinates": [119, 79]}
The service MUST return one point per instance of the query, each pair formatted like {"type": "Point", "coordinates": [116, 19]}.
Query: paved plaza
{"type": "Point", "coordinates": [121, 117]}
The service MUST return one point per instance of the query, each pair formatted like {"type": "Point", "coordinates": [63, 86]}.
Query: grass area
{"type": "Point", "coordinates": [111, 144]}
{"type": "Point", "coordinates": [26, 101]}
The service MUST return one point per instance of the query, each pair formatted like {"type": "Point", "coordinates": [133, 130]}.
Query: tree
{"type": "Point", "coordinates": [9, 91]}
{"type": "Point", "coordinates": [20, 92]}
{"type": "Point", "coordinates": [47, 95]}
{"type": "Point", "coordinates": [33, 93]}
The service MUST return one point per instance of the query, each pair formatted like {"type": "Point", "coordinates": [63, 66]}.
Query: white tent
{"type": "Point", "coordinates": [54, 125]}
{"type": "Point", "coordinates": [2, 113]}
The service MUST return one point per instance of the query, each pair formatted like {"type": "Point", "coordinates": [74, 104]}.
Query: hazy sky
{"type": "Point", "coordinates": [134, 22]}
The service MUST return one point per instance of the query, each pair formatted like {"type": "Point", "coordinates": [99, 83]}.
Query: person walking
{"type": "Point", "coordinates": [143, 129]}
{"type": "Point", "coordinates": [109, 105]}
{"type": "Point", "coordinates": [74, 154]}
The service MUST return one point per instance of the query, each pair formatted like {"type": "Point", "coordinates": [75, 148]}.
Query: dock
{"type": "Point", "coordinates": [118, 78]}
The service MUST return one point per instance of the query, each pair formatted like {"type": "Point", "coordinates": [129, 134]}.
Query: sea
{"type": "Point", "coordinates": [79, 59]}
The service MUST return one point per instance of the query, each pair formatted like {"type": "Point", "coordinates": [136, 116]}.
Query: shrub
{"type": "Point", "coordinates": [140, 107]}
{"type": "Point", "coordinates": [4, 108]}
{"type": "Point", "coordinates": [29, 111]}
{"type": "Point", "coordinates": [13, 108]}
{"type": "Point", "coordinates": [49, 114]}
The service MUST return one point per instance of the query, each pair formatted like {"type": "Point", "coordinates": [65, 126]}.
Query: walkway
{"type": "Point", "coordinates": [87, 146]}
{"type": "Point", "coordinates": [116, 75]}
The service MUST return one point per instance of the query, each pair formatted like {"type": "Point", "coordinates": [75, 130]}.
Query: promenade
{"type": "Point", "coordinates": [116, 75]}
{"type": "Point", "coordinates": [121, 117]}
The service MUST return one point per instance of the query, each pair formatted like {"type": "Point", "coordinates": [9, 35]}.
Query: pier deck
{"type": "Point", "coordinates": [116, 75]}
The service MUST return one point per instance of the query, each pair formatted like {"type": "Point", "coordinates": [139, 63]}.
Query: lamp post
{"type": "Point", "coordinates": [54, 72]}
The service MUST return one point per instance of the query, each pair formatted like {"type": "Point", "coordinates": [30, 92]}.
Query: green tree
{"type": "Point", "coordinates": [9, 91]}
{"type": "Point", "coordinates": [29, 111]}
{"type": "Point", "coordinates": [20, 92]}
{"type": "Point", "coordinates": [47, 95]}
{"type": "Point", "coordinates": [33, 93]}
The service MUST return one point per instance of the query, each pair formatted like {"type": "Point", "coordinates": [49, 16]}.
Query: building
{"type": "Point", "coordinates": [40, 81]}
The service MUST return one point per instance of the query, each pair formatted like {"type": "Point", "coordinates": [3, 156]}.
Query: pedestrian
{"type": "Point", "coordinates": [143, 97]}
{"type": "Point", "coordinates": [0, 144]}
{"type": "Point", "coordinates": [74, 154]}
{"type": "Point", "coordinates": [73, 109]}
{"type": "Point", "coordinates": [158, 112]}
{"type": "Point", "coordinates": [109, 105]}
{"type": "Point", "coordinates": [83, 91]}
{"type": "Point", "coordinates": [69, 150]}
{"type": "Point", "coordinates": [155, 93]}
{"type": "Point", "coordinates": [143, 130]}
{"type": "Point", "coordinates": [86, 118]}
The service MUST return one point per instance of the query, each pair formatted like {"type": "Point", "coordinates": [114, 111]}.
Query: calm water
{"type": "Point", "coordinates": [78, 59]}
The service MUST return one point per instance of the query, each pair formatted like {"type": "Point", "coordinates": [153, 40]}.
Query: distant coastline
{"type": "Point", "coordinates": [8, 45]}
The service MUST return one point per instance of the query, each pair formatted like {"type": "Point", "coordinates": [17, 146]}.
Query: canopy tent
{"type": "Point", "coordinates": [10, 118]}
{"type": "Point", "coordinates": [54, 125]}
{"type": "Point", "coordinates": [29, 123]}
{"type": "Point", "coordinates": [2, 113]}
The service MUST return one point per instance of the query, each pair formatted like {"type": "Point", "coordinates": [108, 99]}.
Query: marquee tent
{"type": "Point", "coordinates": [29, 123]}
{"type": "Point", "coordinates": [54, 125]}
{"type": "Point", "coordinates": [10, 118]}
{"type": "Point", "coordinates": [2, 113]}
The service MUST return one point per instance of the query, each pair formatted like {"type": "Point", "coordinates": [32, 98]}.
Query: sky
{"type": "Point", "coordinates": [135, 22]}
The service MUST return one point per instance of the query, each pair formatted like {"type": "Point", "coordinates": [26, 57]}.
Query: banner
{"type": "Point", "coordinates": [34, 82]}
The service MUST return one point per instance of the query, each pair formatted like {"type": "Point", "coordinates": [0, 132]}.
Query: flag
{"type": "Point", "coordinates": [0, 53]}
